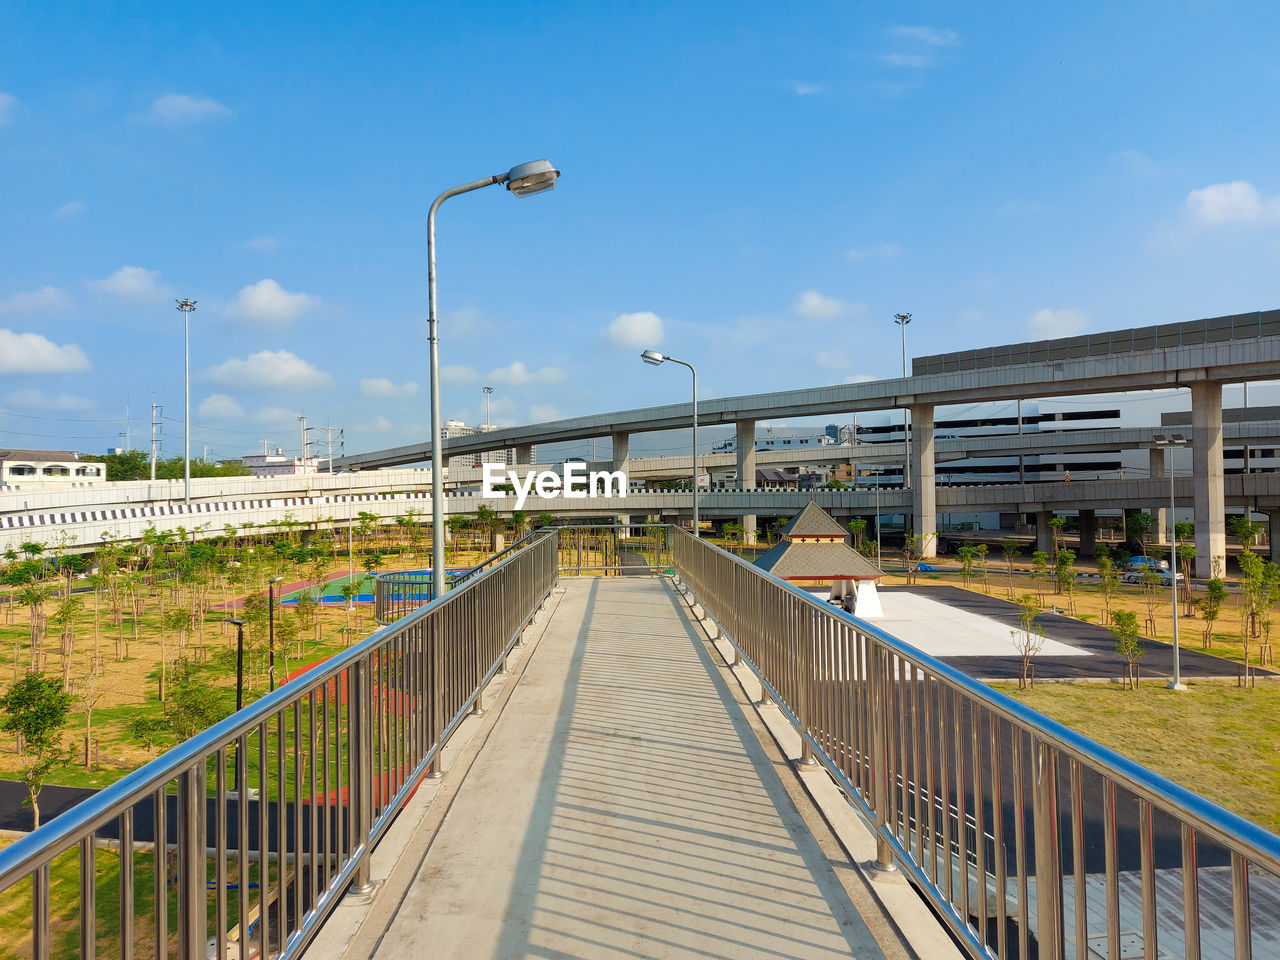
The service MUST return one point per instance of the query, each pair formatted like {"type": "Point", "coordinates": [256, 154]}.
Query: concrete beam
{"type": "Point", "coordinates": [1206, 468]}
{"type": "Point", "coordinates": [924, 499]}
{"type": "Point", "coordinates": [1159, 512]}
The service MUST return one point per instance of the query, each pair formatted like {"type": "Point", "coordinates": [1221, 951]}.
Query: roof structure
{"type": "Point", "coordinates": [815, 547]}
{"type": "Point", "coordinates": [43, 456]}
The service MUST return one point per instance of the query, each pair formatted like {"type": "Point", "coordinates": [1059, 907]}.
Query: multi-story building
{"type": "Point", "coordinates": [47, 467]}
{"type": "Point", "coordinates": [278, 464]}
{"type": "Point", "coordinates": [456, 428]}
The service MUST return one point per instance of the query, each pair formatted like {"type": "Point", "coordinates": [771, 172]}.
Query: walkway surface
{"type": "Point", "coordinates": [623, 806]}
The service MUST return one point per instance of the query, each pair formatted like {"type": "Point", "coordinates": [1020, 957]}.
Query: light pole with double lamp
{"type": "Point", "coordinates": [876, 472]}
{"type": "Point", "coordinates": [902, 319]}
{"type": "Point", "coordinates": [656, 358]}
{"type": "Point", "coordinates": [271, 629]}
{"type": "Point", "coordinates": [524, 180]}
{"type": "Point", "coordinates": [239, 625]}
{"type": "Point", "coordinates": [1168, 443]}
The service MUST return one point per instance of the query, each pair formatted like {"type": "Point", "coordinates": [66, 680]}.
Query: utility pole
{"type": "Point", "coordinates": [126, 423]}
{"type": "Point", "coordinates": [306, 441]}
{"type": "Point", "coordinates": [328, 436]}
{"type": "Point", "coordinates": [157, 428]}
{"type": "Point", "coordinates": [488, 392]}
{"type": "Point", "coordinates": [902, 319]}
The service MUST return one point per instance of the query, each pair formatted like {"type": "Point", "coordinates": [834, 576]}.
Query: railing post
{"type": "Point", "coordinates": [804, 663]}
{"type": "Point", "coordinates": [192, 910]}
{"type": "Point", "coordinates": [360, 711]}
{"type": "Point", "coordinates": [879, 750]}
{"type": "Point", "coordinates": [1044, 812]}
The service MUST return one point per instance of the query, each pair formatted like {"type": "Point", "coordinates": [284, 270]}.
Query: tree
{"type": "Point", "coordinates": [545, 519]}
{"type": "Point", "coordinates": [1056, 524]}
{"type": "Point", "coordinates": [1066, 577]}
{"type": "Point", "coordinates": [192, 705]}
{"type": "Point", "coordinates": [1124, 627]}
{"type": "Point", "coordinates": [1010, 548]}
{"type": "Point", "coordinates": [1244, 529]}
{"type": "Point", "coordinates": [144, 728]}
{"type": "Point", "coordinates": [980, 555]}
{"type": "Point", "coordinates": [35, 709]}
{"type": "Point", "coordinates": [1151, 592]}
{"type": "Point", "coordinates": [1259, 589]}
{"type": "Point", "coordinates": [1040, 571]}
{"type": "Point", "coordinates": [1110, 586]}
{"type": "Point", "coordinates": [1028, 639]}
{"type": "Point", "coordinates": [1215, 594]}
{"type": "Point", "coordinates": [1186, 558]}
{"type": "Point", "coordinates": [913, 551]}
{"type": "Point", "coordinates": [858, 528]}
{"type": "Point", "coordinates": [967, 555]}
{"type": "Point", "coordinates": [732, 531]}
{"type": "Point", "coordinates": [1136, 528]}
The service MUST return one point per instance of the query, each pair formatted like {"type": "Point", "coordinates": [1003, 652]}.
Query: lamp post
{"type": "Point", "coordinates": [351, 523]}
{"type": "Point", "coordinates": [655, 358]}
{"type": "Point", "coordinates": [239, 625]}
{"type": "Point", "coordinates": [271, 630]}
{"type": "Point", "coordinates": [902, 319]}
{"type": "Point", "coordinates": [876, 472]}
{"type": "Point", "coordinates": [187, 307]}
{"type": "Point", "coordinates": [1169, 442]}
{"type": "Point", "coordinates": [523, 180]}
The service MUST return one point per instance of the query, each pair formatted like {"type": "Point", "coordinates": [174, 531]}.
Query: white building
{"type": "Point", "coordinates": [456, 428]}
{"type": "Point", "coordinates": [279, 465]}
{"type": "Point", "coordinates": [47, 467]}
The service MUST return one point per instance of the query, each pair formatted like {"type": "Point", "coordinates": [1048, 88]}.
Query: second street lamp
{"type": "Point", "coordinates": [523, 180]}
{"type": "Point", "coordinates": [271, 629]}
{"type": "Point", "coordinates": [656, 359]}
{"type": "Point", "coordinates": [186, 306]}
{"type": "Point", "coordinates": [1169, 442]}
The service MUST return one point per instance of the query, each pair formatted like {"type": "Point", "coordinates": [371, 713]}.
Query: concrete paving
{"type": "Point", "coordinates": [622, 806]}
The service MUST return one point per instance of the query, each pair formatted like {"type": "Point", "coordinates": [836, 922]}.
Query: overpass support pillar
{"type": "Point", "coordinates": [1044, 532]}
{"type": "Point", "coordinates": [621, 443]}
{"type": "Point", "coordinates": [1206, 467]}
{"type": "Point", "coordinates": [924, 494]}
{"type": "Point", "coordinates": [1159, 513]}
{"type": "Point", "coordinates": [1088, 526]}
{"type": "Point", "coordinates": [524, 453]}
{"type": "Point", "coordinates": [1273, 534]}
{"type": "Point", "coordinates": [746, 448]}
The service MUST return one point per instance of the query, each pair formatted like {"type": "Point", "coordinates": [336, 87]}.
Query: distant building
{"type": "Point", "coordinates": [30, 467]}
{"type": "Point", "coordinates": [279, 465]}
{"type": "Point", "coordinates": [453, 429]}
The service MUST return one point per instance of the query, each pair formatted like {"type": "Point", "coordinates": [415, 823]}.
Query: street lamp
{"type": "Point", "coordinates": [656, 359]}
{"type": "Point", "coordinates": [187, 307]}
{"type": "Point", "coordinates": [271, 629]}
{"type": "Point", "coordinates": [876, 472]}
{"type": "Point", "coordinates": [524, 180]}
{"type": "Point", "coordinates": [1169, 442]}
{"type": "Point", "coordinates": [902, 319]}
{"type": "Point", "coordinates": [239, 625]}
{"type": "Point", "coordinates": [351, 553]}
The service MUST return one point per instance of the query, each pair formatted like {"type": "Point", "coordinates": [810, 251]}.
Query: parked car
{"type": "Point", "coordinates": [1165, 575]}
{"type": "Point", "coordinates": [1138, 564]}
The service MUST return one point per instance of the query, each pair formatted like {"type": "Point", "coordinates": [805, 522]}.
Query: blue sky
{"type": "Point", "coordinates": [754, 187]}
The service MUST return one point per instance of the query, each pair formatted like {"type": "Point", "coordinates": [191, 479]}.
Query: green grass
{"type": "Point", "coordinates": [1217, 739]}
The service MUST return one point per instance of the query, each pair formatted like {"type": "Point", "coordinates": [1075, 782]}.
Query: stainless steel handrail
{"type": "Point", "coordinates": [337, 752]}
{"type": "Point", "coordinates": [906, 735]}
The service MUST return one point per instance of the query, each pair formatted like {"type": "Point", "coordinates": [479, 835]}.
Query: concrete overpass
{"type": "Point", "coordinates": [1200, 355]}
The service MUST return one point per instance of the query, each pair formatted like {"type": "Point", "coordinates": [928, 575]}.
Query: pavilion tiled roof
{"type": "Point", "coordinates": [813, 521]}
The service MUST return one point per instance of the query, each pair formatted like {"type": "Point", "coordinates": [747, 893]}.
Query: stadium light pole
{"type": "Point", "coordinates": [902, 319]}
{"type": "Point", "coordinates": [524, 180]}
{"type": "Point", "coordinates": [656, 359]}
{"type": "Point", "coordinates": [1168, 443]}
{"type": "Point", "coordinates": [187, 307]}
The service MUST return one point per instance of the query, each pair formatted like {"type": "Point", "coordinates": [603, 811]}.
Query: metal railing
{"type": "Point", "coordinates": [614, 549]}
{"type": "Point", "coordinates": [323, 765]}
{"type": "Point", "coordinates": [1028, 838]}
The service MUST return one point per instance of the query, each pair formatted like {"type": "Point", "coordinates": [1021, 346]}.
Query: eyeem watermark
{"type": "Point", "coordinates": [576, 484]}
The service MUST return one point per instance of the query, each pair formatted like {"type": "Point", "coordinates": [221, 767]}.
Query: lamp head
{"type": "Point", "coordinates": [536, 176]}
{"type": "Point", "coordinates": [233, 621]}
{"type": "Point", "coordinates": [652, 356]}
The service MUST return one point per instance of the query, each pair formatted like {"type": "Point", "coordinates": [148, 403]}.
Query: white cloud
{"type": "Point", "coordinates": [813, 304]}
{"type": "Point", "coordinates": [807, 89]}
{"type": "Point", "coordinates": [1234, 202]}
{"type": "Point", "coordinates": [133, 283]}
{"type": "Point", "coordinates": [267, 301]}
{"type": "Point", "coordinates": [378, 424]}
{"type": "Point", "coordinates": [860, 378]}
{"type": "Point", "coordinates": [274, 415]}
{"type": "Point", "coordinates": [33, 353]}
{"type": "Point", "coordinates": [34, 399]}
{"type": "Point", "coordinates": [220, 406]}
{"type": "Point", "coordinates": [468, 321]}
{"type": "Point", "coordinates": [932, 36]}
{"type": "Point", "coordinates": [914, 61]}
{"type": "Point", "coordinates": [382, 387]}
{"type": "Point", "coordinates": [262, 244]}
{"type": "Point", "coordinates": [44, 300]}
{"type": "Point", "coordinates": [1135, 162]}
{"type": "Point", "coordinates": [518, 375]}
{"type": "Point", "coordinates": [176, 109]}
{"type": "Point", "coordinates": [876, 250]}
{"type": "Point", "coordinates": [541, 412]}
{"type": "Point", "coordinates": [7, 103]}
{"type": "Point", "coordinates": [642, 329]}
{"type": "Point", "coordinates": [72, 209]}
{"type": "Point", "coordinates": [1057, 323]}
{"type": "Point", "coordinates": [270, 368]}
{"type": "Point", "coordinates": [833, 359]}
{"type": "Point", "coordinates": [458, 374]}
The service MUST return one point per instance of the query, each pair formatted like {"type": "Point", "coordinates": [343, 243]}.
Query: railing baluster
{"type": "Point", "coordinates": [126, 884]}
{"type": "Point", "coordinates": [88, 898]}
{"type": "Point", "coordinates": [160, 858]}
{"type": "Point", "coordinates": [1146, 852]}
{"type": "Point", "coordinates": [1241, 919]}
{"type": "Point", "coordinates": [1190, 895]}
{"type": "Point", "coordinates": [1077, 858]}
{"type": "Point", "coordinates": [192, 909]}
{"type": "Point", "coordinates": [220, 854]}
{"type": "Point", "coordinates": [1049, 929]}
{"type": "Point", "coordinates": [40, 932]}
{"type": "Point", "coordinates": [1112, 868]}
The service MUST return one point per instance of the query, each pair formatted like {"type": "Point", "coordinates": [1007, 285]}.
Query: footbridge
{"type": "Point", "coordinates": [680, 756]}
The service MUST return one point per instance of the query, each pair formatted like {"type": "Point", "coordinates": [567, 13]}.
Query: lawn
{"type": "Point", "coordinates": [1217, 739]}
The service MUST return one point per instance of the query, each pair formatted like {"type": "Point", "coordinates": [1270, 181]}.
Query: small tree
{"type": "Point", "coordinates": [192, 705]}
{"type": "Point", "coordinates": [1215, 594]}
{"type": "Point", "coordinates": [1136, 528]}
{"type": "Point", "coordinates": [980, 554]}
{"type": "Point", "coordinates": [1028, 639]}
{"type": "Point", "coordinates": [1151, 592]}
{"type": "Point", "coordinates": [1040, 572]}
{"type": "Point", "coordinates": [1110, 586]}
{"type": "Point", "coordinates": [144, 728]}
{"type": "Point", "coordinates": [1124, 627]}
{"type": "Point", "coordinates": [858, 528]}
{"type": "Point", "coordinates": [1244, 529]}
{"type": "Point", "coordinates": [1010, 548]}
{"type": "Point", "coordinates": [1186, 559]}
{"type": "Point", "coordinates": [967, 555]}
{"type": "Point", "coordinates": [913, 551]}
{"type": "Point", "coordinates": [1056, 524]}
{"type": "Point", "coordinates": [1066, 577]}
{"type": "Point", "coordinates": [35, 710]}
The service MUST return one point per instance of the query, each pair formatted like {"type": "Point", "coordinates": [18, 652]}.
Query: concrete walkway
{"type": "Point", "coordinates": [622, 806]}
